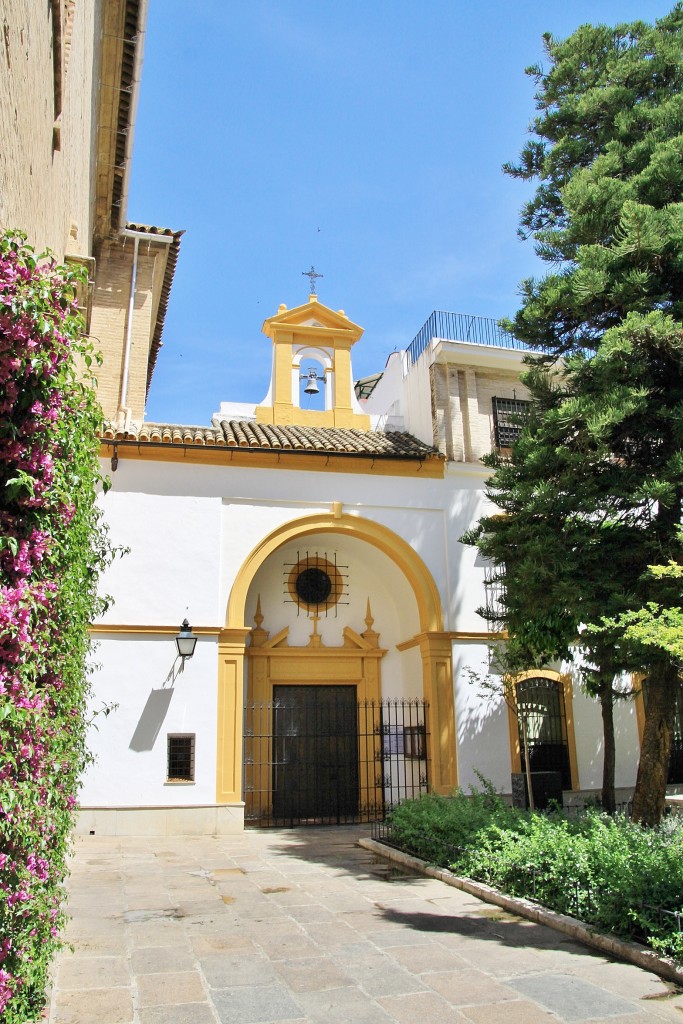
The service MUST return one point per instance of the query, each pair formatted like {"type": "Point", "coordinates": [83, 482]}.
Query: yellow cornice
{"type": "Point", "coordinates": [220, 455]}
{"type": "Point", "coordinates": [296, 653]}
{"type": "Point", "coordinates": [160, 630]}
{"type": "Point", "coordinates": [288, 415]}
{"type": "Point", "coordinates": [453, 634]}
{"type": "Point", "coordinates": [317, 335]}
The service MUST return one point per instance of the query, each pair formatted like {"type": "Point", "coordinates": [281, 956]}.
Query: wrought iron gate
{"type": "Point", "coordinates": [316, 755]}
{"type": "Point", "coordinates": [540, 702]}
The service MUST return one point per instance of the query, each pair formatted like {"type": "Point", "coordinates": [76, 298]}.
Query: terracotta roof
{"type": "Point", "coordinates": [245, 434]}
{"type": "Point", "coordinates": [171, 262]}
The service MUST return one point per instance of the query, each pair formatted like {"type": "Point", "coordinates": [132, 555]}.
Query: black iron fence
{"type": "Point", "coordinates": [481, 330]}
{"type": "Point", "coordinates": [315, 755]}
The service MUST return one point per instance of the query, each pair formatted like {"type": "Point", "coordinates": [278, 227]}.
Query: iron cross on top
{"type": "Point", "coordinates": [312, 275]}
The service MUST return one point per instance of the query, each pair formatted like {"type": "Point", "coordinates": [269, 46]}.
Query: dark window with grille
{"type": "Point", "coordinates": [676, 760]}
{"type": "Point", "coordinates": [540, 703]}
{"type": "Point", "coordinates": [415, 742]}
{"type": "Point", "coordinates": [180, 759]}
{"type": "Point", "coordinates": [507, 416]}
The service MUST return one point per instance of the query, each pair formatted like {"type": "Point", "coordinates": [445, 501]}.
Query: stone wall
{"type": "Point", "coordinates": [109, 323]}
{"type": "Point", "coordinates": [49, 95]}
{"type": "Point", "coordinates": [462, 408]}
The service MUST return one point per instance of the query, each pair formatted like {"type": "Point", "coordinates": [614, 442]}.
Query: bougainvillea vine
{"type": "Point", "coordinates": [52, 549]}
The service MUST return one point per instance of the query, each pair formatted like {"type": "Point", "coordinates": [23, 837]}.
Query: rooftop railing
{"type": "Point", "coordinates": [481, 330]}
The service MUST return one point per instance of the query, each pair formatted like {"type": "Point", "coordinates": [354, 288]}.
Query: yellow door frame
{"type": "Point", "coordinates": [434, 645]}
{"type": "Point", "coordinates": [565, 682]}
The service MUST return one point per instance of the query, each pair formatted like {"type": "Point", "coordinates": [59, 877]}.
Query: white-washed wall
{"type": "Point", "coordinates": [190, 529]}
{"type": "Point", "coordinates": [130, 743]}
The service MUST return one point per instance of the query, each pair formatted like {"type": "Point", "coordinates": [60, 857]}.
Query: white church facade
{"type": "Point", "coordinates": [314, 551]}
{"type": "Point", "coordinates": [316, 556]}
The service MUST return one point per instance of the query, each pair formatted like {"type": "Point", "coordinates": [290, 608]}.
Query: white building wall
{"type": "Point", "coordinates": [147, 701]}
{"type": "Point", "coordinates": [481, 720]}
{"type": "Point", "coordinates": [190, 530]}
{"type": "Point", "coordinates": [416, 401]}
{"type": "Point", "coordinates": [171, 568]}
{"type": "Point", "coordinates": [590, 745]}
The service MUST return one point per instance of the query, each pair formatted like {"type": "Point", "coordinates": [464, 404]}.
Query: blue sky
{"type": "Point", "coordinates": [363, 136]}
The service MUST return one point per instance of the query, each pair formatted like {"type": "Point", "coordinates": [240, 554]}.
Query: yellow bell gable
{"type": "Point", "coordinates": [318, 332]}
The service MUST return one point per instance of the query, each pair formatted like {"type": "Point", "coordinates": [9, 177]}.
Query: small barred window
{"type": "Point", "coordinates": [508, 414]}
{"type": "Point", "coordinates": [180, 766]}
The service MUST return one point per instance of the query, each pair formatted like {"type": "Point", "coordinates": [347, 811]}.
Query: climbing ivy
{"type": "Point", "coordinates": [52, 548]}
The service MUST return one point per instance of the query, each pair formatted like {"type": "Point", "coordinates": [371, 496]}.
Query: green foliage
{"type": "Point", "coordinates": [605, 870]}
{"type": "Point", "coordinates": [655, 627]}
{"type": "Point", "coordinates": [593, 492]}
{"type": "Point", "coordinates": [606, 153]}
{"type": "Point", "coordinates": [52, 549]}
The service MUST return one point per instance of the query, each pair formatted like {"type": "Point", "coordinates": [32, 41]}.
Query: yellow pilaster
{"type": "Point", "coordinates": [342, 378]}
{"type": "Point", "coordinates": [282, 382]}
{"type": "Point", "coordinates": [231, 647]}
{"type": "Point", "coordinates": [437, 681]}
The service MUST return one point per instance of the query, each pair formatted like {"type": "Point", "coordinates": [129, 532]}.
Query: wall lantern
{"type": "Point", "coordinates": [185, 641]}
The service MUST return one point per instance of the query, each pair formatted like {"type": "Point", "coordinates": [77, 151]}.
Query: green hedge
{"type": "Point", "coordinates": [607, 871]}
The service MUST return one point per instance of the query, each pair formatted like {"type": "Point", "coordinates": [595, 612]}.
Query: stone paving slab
{"type": "Point", "coordinates": [306, 927]}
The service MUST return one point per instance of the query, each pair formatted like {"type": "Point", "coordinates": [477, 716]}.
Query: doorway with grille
{"type": "Point", "coordinates": [315, 755]}
{"type": "Point", "coordinates": [315, 752]}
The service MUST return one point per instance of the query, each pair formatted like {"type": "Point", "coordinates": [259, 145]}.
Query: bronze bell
{"type": "Point", "coordinates": [312, 385]}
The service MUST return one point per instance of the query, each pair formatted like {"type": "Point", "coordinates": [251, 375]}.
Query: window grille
{"type": "Point", "coordinates": [180, 767]}
{"type": "Point", "coordinates": [507, 416]}
{"type": "Point", "coordinates": [316, 583]}
{"type": "Point", "coordinates": [676, 758]}
{"type": "Point", "coordinates": [494, 596]}
{"type": "Point", "coordinates": [541, 702]}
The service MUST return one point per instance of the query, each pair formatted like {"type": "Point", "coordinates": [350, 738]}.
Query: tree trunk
{"type": "Point", "coordinates": [650, 792]}
{"type": "Point", "coordinates": [608, 799]}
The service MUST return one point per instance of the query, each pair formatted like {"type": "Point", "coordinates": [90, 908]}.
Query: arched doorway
{"type": "Point", "coordinates": [335, 644]}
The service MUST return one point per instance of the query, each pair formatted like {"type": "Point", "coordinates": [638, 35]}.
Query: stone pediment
{"type": "Point", "coordinates": [312, 317]}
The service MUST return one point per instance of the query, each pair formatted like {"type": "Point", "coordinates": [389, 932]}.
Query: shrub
{"type": "Point", "coordinates": [609, 872]}
{"type": "Point", "coordinates": [52, 547]}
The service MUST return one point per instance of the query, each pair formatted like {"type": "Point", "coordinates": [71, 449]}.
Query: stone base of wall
{"type": "Point", "coordinates": [583, 797]}
{"type": "Point", "coordinates": [674, 803]}
{"type": "Point", "coordinates": [214, 820]}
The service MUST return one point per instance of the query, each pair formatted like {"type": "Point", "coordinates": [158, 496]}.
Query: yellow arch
{"type": "Point", "coordinates": [401, 553]}
{"type": "Point", "coordinates": [565, 681]}
{"type": "Point", "coordinates": [434, 644]}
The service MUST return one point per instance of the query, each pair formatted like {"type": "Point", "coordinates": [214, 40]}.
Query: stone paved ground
{"type": "Point", "coordinates": [305, 926]}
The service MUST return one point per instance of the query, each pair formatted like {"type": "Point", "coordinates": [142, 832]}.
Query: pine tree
{"type": "Point", "coordinates": [596, 486]}
{"type": "Point", "coordinates": [559, 561]}
{"type": "Point", "coordinates": [608, 156]}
